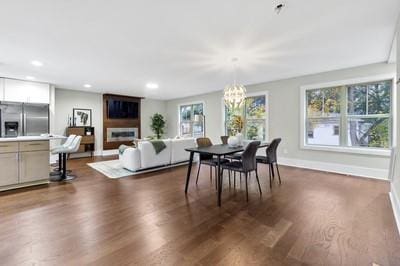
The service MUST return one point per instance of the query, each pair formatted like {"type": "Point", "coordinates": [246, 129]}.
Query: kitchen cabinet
{"type": "Point", "coordinates": [1, 89]}
{"type": "Point", "coordinates": [26, 91]}
{"type": "Point", "coordinates": [33, 166]}
{"type": "Point", "coordinates": [23, 163]}
{"type": "Point", "coordinates": [9, 168]}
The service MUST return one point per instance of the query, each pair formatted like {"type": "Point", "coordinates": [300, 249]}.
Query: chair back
{"type": "Point", "coordinates": [69, 140]}
{"type": "Point", "coordinates": [74, 147]}
{"type": "Point", "coordinates": [224, 139]}
{"type": "Point", "coordinates": [249, 156]}
{"type": "Point", "coordinates": [204, 142]}
{"type": "Point", "coordinates": [271, 150]}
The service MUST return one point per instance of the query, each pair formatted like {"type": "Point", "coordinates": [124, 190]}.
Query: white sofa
{"type": "Point", "coordinates": [144, 156]}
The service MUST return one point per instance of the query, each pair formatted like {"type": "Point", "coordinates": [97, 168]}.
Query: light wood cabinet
{"type": "Point", "coordinates": [26, 91]}
{"type": "Point", "coordinates": [33, 166]}
{"type": "Point", "coordinates": [9, 168]}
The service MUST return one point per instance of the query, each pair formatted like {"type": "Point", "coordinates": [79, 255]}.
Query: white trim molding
{"type": "Point", "coordinates": [395, 205]}
{"type": "Point", "coordinates": [348, 149]}
{"type": "Point", "coordinates": [376, 173]}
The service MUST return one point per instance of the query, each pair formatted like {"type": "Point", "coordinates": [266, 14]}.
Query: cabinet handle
{"type": "Point", "coordinates": [34, 144]}
{"type": "Point", "coordinates": [4, 146]}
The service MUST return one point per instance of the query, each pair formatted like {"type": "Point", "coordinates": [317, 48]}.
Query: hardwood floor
{"type": "Point", "coordinates": [313, 218]}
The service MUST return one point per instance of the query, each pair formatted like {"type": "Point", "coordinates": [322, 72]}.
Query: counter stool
{"type": "Point", "coordinates": [64, 151]}
{"type": "Point", "coordinates": [56, 149]}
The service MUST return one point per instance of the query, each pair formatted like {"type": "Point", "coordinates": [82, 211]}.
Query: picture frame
{"type": "Point", "coordinates": [82, 117]}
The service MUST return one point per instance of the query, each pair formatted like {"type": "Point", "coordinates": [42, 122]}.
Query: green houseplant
{"type": "Point", "coordinates": [157, 124]}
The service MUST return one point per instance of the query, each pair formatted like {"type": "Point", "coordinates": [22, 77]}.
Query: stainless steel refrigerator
{"type": "Point", "coordinates": [23, 119]}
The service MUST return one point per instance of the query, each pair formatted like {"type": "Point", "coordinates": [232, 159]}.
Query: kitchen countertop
{"type": "Point", "coordinates": [32, 138]}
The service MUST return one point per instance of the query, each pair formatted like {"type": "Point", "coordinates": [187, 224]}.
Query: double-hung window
{"type": "Point", "coordinates": [252, 115]}
{"type": "Point", "coordinates": [191, 120]}
{"type": "Point", "coordinates": [349, 115]}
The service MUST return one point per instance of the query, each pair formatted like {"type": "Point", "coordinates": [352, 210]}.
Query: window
{"type": "Point", "coordinates": [251, 117]}
{"type": "Point", "coordinates": [355, 115]}
{"type": "Point", "coordinates": [191, 120]}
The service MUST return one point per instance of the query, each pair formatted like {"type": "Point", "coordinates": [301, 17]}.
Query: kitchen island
{"type": "Point", "coordinates": [24, 161]}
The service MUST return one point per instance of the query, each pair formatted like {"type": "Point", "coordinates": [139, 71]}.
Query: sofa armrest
{"type": "Point", "coordinates": [130, 159]}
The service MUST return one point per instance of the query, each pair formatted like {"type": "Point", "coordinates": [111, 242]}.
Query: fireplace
{"type": "Point", "coordinates": [116, 134]}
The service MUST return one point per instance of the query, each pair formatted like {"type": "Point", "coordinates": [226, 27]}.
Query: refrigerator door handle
{"type": "Point", "coordinates": [23, 123]}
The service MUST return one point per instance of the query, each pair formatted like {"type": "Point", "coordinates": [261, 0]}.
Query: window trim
{"type": "Point", "coordinates": [347, 149]}
{"type": "Point", "coordinates": [179, 114]}
{"type": "Point", "coordinates": [267, 108]}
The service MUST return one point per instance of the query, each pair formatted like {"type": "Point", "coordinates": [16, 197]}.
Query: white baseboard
{"type": "Point", "coordinates": [106, 152]}
{"type": "Point", "coordinates": [376, 173]}
{"type": "Point", "coordinates": [395, 205]}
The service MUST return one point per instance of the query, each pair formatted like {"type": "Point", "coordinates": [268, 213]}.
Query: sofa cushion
{"type": "Point", "coordinates": [178, 146]}
{"type": "Point", "coordinates": [148, 156]}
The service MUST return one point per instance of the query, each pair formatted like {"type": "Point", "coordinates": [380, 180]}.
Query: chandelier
{"type": "Point", "coordinates": [234, 95]}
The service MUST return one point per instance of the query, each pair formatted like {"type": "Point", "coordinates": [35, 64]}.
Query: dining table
{"type": "Point", "coordinates": [218, 151]}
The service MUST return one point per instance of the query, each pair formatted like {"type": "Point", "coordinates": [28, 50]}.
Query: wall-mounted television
{"type": "Point", "coordinates": [118, 109]}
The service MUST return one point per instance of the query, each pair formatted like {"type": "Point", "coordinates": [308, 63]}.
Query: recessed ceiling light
{"type": "Point", "coordinates": [87, 86]}
{"type": "Point", "coordinates": [151, 85]}
{"type": "Point", "coordinates": [30, 77]}
{"type": "Point", "coordinates": [37, 63]}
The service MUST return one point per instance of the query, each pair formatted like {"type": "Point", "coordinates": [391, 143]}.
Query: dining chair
{"type": "Point", "coordinates": [224, 140]}
{"type": "Point", "coordinates": [246, 165]}
{"type": "Point", "coordinates": [207, 159]}
{"type": "Point", "coordinates": [271, 159]}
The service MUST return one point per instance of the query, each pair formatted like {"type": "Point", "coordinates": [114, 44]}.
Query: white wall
{"type": "Point", "coordinates": [284, 121]}
{"type": "Point", "coordinates": [66, 100]}
{"type": "Point", "coordinates": [395, 186]}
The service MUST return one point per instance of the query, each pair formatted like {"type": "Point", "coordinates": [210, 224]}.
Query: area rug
{"type": "Point", "coordinates": [113, 168]}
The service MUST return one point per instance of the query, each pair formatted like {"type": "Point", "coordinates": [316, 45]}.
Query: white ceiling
{"type": "Point", "coordinates": [186, 46]}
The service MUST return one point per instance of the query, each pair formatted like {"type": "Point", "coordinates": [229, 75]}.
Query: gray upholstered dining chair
{"type": "Point", "coordinates": [246, 165]}
{"type": "Point", "coordinates": [271, 159]}
{"type": "Point", "coordinates": [207, 159]}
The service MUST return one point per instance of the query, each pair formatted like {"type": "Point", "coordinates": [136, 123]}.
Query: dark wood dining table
{"type": "Point", "coordinates": [218, 151]}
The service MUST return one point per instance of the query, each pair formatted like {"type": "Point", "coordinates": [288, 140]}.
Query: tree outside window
{"type": "Point", "coordinates": [188, 125]}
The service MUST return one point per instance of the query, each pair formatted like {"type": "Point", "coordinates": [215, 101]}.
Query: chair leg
{"type": "Point", "coordinates": [216, 179]}
{"type": "Point", "coordinates": [229, 175]}
{"type": "Point", "coordinates": [247, 188]}
{"type": "Point", "coordinates": [258, 181]}
{"type": "Point", "coordinates": [210, 173]}
{"type": "Point", "coordinates": [234, 179]}
{"type": "Point", "coordinates": [198, 172]}
{"type": "Point", "coordinates": [272, 171]}
{"type": "Point", "coordinates": [279, 175]}
{"type": "Point", "coordinates": [270, 180]}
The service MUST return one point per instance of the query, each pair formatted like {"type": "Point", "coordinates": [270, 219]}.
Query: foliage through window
{"type": "Point", "coordinates": [250, 119]}
{"type": "Point", "coordinates": [357, 115]}
{"type": "Point", "coordinates": [191, 120]}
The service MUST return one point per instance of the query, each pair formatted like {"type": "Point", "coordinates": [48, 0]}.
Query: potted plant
{"type": "Point", "coordinates": [157, 124]}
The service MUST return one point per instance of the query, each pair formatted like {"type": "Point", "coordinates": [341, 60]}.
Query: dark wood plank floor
{"type": "Point", "coordinates": [313, 218]}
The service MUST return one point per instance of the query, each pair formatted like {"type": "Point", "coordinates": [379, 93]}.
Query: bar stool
{"type": "Point", "coordinates": [74, 147]}
{"type": "Point", "coordinates": [56, 149]}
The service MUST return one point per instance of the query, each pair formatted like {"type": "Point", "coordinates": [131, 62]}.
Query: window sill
{"type": "Point", "coordinates": [353, 150]}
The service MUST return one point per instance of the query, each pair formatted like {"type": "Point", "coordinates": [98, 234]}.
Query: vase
{"type": "Point", "coordinates": [239, 135]}
{"type": "Point", "coordinates": [233, 141]}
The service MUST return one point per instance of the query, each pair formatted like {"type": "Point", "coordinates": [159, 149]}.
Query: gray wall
{"type": "Point", "coordinates": [66, 100]}
{"type": "Point", "coordinates": [284, 118]}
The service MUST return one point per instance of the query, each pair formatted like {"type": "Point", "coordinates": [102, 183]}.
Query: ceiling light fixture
{"type": "Point", "coordinates": [279, 8]}
{"type": "Point", "coordinates": [87, 86]}
{"type": "Point", "coordinates": [151, 85]}
{"type": "Point", "coordinates": [37, 63]}
{"type": "Point", "coordinates": [234, 95]}
{"type": "Point", "coordinates": [30, 78]}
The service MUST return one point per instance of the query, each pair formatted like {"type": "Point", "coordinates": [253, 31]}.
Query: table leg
{"type": "Point", "coordinates": [189, 171]}
{"type": "Point", "coordinates": [219, 180]}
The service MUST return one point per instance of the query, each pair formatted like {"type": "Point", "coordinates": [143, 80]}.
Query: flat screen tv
{"type": "Point", "coordinates": [122, 109]}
